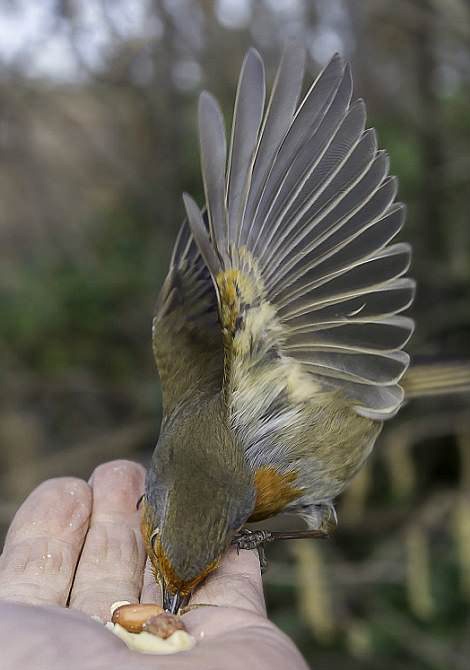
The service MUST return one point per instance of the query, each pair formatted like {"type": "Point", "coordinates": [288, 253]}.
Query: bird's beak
{"type": "Point", "coordinates": [173, 602]}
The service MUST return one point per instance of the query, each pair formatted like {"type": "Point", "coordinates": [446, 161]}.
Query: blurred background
{"type": "Point", "coordinates": [97, 142]}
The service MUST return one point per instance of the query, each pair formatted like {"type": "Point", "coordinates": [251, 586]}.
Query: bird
{"type": "Point", "coordinates": [279, 332]}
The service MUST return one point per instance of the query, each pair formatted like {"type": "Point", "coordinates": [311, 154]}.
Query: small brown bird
{"type": "Point", "coordinates": [278, 332]}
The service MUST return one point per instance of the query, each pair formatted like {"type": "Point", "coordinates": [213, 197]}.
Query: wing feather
{"type": "Point", "coordinates": [186, 337]}
{"type": "Point", "coordinates": [306, 140]}
{"type": "Point", "coordinates": [213, 161]}
{"type": "Point", "coordinates": [281, 107]}
{"type": "Point", "coordinates": [352, 213]}
{"type": "Point", "coordinates": [249, 105]}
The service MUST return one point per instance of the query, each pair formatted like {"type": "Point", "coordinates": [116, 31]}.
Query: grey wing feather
{"type": "Point", "coordinates": [308, 135]}
{"type": "Point", "coordinates": [367, 199]}
{"type": "Point", "coordinates": [201, 234]}
{"type": "Point", "coordinates": [249, 106]}
{"type": "Point", "coordinates": [213, 162]}
{"type": "Point", "coordinates": [308, 194]}
{"type": "Point", "coordinates": [281, 107]}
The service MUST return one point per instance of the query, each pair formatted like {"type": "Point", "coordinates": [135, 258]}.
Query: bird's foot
{"type": "Point", "coordinates": [253, 539]}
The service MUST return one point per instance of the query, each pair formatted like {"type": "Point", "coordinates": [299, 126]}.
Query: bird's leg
{"type": "Point", "coordinates": [263, 561]}
{"type": "Point", "coordinates": [256, 539]}
{"type": "Point", "coordinates": [252, 539]}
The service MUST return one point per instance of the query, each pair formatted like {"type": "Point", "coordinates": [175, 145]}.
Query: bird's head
{"type": "Point", "coordinates": [189, 518]}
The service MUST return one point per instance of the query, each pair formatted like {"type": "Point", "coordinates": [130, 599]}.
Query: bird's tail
{"type": "Point", "coordinates": [431, 379]}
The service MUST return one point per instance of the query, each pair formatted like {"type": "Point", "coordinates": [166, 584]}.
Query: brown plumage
{"type": "Point", "coordinates": [278, 334]}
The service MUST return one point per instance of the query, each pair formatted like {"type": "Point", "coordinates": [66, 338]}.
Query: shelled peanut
{"type": "Point", "coordinates": [149, 629]}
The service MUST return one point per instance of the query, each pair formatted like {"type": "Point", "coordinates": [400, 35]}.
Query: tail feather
{"type": "Point", "coordinates": [434, 379]}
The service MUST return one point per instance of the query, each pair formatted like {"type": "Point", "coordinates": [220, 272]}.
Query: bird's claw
{"type": "Point", "coordinates": [253, 539]}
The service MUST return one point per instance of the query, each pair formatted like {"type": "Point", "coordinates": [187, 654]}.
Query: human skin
{"type": "Point", "coordinates": [74, 548]}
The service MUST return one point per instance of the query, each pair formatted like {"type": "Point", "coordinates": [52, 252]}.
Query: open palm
{"type": "Point", "coordinates": [75, 548]}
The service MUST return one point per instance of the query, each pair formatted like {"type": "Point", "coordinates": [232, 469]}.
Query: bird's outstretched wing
{"type": "Point", "coordinates": [187, 342]}
{"type": "Point", "coordinates": [300, 221]}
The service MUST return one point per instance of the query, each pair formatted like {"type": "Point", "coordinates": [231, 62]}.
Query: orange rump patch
{"type": "Point", "coordinates": [273, 492]}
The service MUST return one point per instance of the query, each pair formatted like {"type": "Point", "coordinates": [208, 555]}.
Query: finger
{"type": "Point", "coordinates": [151, 592]}
{"type": "Point", "coordinates": [236, 583]}
{"type": "Point", "coordinates": [112, 562]}
{"type": "Point", "coordinates": [44, 542]}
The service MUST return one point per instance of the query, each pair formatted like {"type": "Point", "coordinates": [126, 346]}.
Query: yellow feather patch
{"type": "Point", "coordinates": [230, 297]}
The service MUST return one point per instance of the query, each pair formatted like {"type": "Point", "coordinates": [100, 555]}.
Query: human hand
{"type": "Point", "coordinates": [75, 548]}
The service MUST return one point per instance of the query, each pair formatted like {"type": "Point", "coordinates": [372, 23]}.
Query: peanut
{"type": "Point", "coordinates": [163, 625]}
{"type": "Point", "coordinates": [133, 617]}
